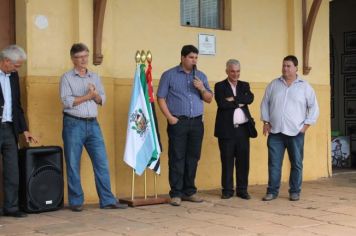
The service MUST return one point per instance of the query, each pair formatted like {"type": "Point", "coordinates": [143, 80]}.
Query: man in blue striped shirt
{"type": "Point", "coordinates": [288, 108]}
{"type": "Point", "coordinates": [181, 93]}
{"type": "Point", "coordinates": [81, 92]}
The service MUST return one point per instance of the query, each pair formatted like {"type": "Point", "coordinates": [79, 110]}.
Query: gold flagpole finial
{"type": "Point", "coordinates": [137, 56]}
{"type": "Point", "coordinates": [149, 56]}
{"type": "Point", "coordinates": [143, 56]}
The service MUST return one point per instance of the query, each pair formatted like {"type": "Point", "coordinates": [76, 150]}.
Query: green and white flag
{"type": "Point", "coordinates": [140, 145]}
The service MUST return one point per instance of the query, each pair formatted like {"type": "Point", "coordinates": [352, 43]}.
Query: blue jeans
{"type": "Point", "coordinates": [76, 134]}
{"type": "Point", "coordinates": [277, 144]}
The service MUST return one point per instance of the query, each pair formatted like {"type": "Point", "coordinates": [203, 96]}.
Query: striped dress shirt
{"type": "Point", "coordinates": [288, 109]}
{"type": "Point", "coordinates": [73, 85]}
{"type": "Point", "coordinates": [182, 98]}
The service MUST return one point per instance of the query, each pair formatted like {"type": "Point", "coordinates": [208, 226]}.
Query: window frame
{"type": "Point", "coordinates": [222, 4]}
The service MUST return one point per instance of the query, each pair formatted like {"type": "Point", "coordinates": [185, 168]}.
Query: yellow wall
{"type": "Point", "coordinates": [262, 33]}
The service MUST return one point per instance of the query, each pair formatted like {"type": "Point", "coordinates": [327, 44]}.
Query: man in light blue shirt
{"type": "Point", "coordinates": [81, 92]}
{"type": "Point", "coordinates": [288, 108]}
{"type": "Point", "coordinates": [181, 93]}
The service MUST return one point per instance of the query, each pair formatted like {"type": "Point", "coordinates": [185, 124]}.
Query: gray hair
{"type": "Point", "coordinates": [232, 62]}
{"type": "Point", "coordinates": [14, 53]}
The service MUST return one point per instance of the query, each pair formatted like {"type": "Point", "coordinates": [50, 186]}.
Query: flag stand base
{"type": "Point", "coordinates": [144, 202]}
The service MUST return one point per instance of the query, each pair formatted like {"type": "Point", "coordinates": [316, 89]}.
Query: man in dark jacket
{"type": "Point", "coordinates": [12, 123]}
{"type": "Point", "coordinates": [231, 128]}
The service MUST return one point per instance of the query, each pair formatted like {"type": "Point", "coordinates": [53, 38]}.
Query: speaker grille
{"type": "Point", "coordinates": [46, 187]}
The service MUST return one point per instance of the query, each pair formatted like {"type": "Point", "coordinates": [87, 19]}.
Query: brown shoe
{"type": "Point", "coordinates": [192, 198]}
{"type": "Point", "coordinates": [175, 201]}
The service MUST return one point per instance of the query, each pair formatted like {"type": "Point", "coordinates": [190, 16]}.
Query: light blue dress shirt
{"type": "Point", "coordinates": [288, 109]}
{"type": "Point", "coordinates": [73, 85]}
{"type": "Point", "coordinates": [6, 91]}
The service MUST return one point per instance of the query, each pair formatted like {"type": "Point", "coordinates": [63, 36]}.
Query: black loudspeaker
{"type": "Point", "coordinates": [41, 178]}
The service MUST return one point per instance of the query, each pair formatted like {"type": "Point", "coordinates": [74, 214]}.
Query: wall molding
{"type": "Point", "coordinates": [99, 15]}
{"type": "Point", "coordinates": [308, 27]}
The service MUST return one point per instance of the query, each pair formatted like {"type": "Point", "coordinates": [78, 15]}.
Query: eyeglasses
{"type": "Point", "coordinates": [81, 57]}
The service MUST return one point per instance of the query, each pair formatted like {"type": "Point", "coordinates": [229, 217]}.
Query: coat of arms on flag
{"type": "Point", "coordinates": [139, 122]}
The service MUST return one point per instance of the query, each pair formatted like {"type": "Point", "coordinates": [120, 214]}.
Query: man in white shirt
{"type": "Point", "coordinates": [12, 123]}
{"type": "Point", "coordinates": [288, 108]}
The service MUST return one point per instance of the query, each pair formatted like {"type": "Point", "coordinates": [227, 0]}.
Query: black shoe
{"type": "Point", "coordinates": [17, 214]}
{"type": "Point", "coordinates": [116, 206]}
{"type": "Point", "coordinates": [245, 196]}
{"type": "Point", "coordinates": [76, 208]}
{"type": "Point", "coordinates": [226, 196]}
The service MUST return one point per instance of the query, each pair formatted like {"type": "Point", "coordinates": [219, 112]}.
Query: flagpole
{"type": "Point", "coordinates": [155, 185]}
{"type": "Point", "coordinates": [133, 184]}
{"type": "Point", "coordinates": [137, 59]}
{"type": "Point", "coordinates": [145, 184]}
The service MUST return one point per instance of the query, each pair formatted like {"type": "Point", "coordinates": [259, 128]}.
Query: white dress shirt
{"type": "Point", "coordinates": [239, 115]}
{"type": "Point", "coordinates": [289, 108]}
{"type": "Point", "coordinates": [6, 91]}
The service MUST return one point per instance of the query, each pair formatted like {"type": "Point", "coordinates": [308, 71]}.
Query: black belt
{"type": "Point", "coordinates": [5, 124]}
{"type": "Point", "coordinates": [80, 118]}
{"type": "Point", "coordinates": [189, 118]}
{"type": "Point", "coordinates": [238, 125]}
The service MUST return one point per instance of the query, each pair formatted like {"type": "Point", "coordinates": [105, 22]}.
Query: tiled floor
{"type": "Point", "coordinates": [327, 207]}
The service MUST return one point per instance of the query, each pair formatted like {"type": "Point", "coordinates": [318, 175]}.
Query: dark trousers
{"type": "Point", "coordinates": [235, 152]}
{"type": "Point", "coordinates": [9, 152]}
{"type": "Point", "coordinates": [185, 141]}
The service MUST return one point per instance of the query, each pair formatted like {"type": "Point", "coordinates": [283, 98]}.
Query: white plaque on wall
{"type": "Point", "coordinates": [207, 44]}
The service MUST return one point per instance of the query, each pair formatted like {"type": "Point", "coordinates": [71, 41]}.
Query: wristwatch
{"type": "Point", "coordinates": [265, 123]}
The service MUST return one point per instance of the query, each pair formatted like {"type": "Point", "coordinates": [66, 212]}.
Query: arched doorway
{"type": "Point", "coordinates": [343, 83]}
